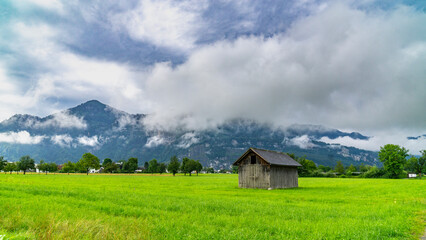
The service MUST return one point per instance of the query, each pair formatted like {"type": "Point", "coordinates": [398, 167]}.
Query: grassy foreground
{"type": "Point", "coordinates": [207, 207]}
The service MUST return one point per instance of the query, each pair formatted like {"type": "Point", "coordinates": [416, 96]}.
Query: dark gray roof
{"type": "Point", "coordinates": [272, 157]}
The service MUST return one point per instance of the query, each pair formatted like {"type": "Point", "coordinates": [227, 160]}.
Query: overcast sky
{"type": "Point", "coordinates": [351, 65]}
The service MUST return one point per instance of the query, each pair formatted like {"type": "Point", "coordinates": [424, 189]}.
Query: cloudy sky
{"type": "Point", "coordinates": [352, 65]}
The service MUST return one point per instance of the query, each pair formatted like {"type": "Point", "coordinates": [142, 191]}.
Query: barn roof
{"type": "Point", "coordinates": [271, 157]}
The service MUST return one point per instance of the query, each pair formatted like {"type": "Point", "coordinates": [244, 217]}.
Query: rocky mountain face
{"type": "Point", "coordinates": [107, 132]}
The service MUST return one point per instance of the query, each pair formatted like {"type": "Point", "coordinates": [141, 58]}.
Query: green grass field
{"type": "Point", "coordinates": [207, 207]}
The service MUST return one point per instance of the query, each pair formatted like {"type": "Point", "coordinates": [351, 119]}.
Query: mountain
{"type": "Point", "coordinates": [108, 132]}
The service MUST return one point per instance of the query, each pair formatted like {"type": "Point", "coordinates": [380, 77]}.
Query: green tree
{"type": "Point", "coordinates": [323, 168]}
{"type": "Point", "coordinates": [162, 168]}
{"type": "Point", "coordinates": [393, 158]}
{"type": "Point", "coordinates": [374, 172]}
{"type": "Point", "coordinates": [422, 161]}
{"type": "Point", "coordinates": [68, 167]}
{"type": "Point", "coordinates": [234, 169]}
{"type": "Point", "coordinates": [3, 163]}
{"type": "Point", "coordinates": [307, 167]}
{"type": "Point", "coordinates": [174, 165]}
{"type": "Point", "coordinates": [132, 165]}
{"type": "Point", "coordinates": [124, 166]}
{"type": "Point", "coordinates": [88, 161]}
{"type": "Point", "coordinates": [339, 167]}
{"type": "Point", "coordinates": [411, 164]}
{"type": "Point", "coordinates": [191, 165]}
{"type": "Point", "coordinates": [79, 168]}
{"type": "Point", "coordinates": [26, 163]}
{"type": "Point", "coordinates": [106, 162]}
{"type": "Point", "coordinates": [183, 167]}
{"type": "Point", "coordinates": [363, 168]}
{"type": "Point", "coordinates": [292, 155]}
{"type": "Point", "coordinates": [42, 166]}
{"type": "Point", "coordinates": [351, 168]}
{"type": "Point", "coordinates": [146, 166]}
{"type": "Point", "coordinates": [110, 167]}
{"type": "Point", "coordinates": [10, 167]}
{"type": "Point", "coordinates": [417, 165]}
{"type": "Point", "coordinates": [121, 164]}
{"type": "Point", "coordinates": [52, 167]}
{"type": "Point", "coordinates": [198, 167]}
{"type": "Point", "coordinates": [153, 166]}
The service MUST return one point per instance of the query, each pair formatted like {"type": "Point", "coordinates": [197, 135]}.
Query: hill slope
{"type": "Point", "coordinates": [108, 132]}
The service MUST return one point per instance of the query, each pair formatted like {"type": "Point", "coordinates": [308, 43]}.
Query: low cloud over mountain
{"type": "Point", "coordinates": [357, 66]}
{"type": "Point", "coordinates": [112, 133]}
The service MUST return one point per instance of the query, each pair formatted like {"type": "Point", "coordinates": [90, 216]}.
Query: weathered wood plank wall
{"type": "Point", "coordinates": [253, 175]}
{"type": "Point", "coordinates": [283, 177]}
{"type": "Point", "coordinates": [263, 175]}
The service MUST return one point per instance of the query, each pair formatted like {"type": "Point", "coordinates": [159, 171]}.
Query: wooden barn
{"type": "Point", "coordinates": [258, 168]}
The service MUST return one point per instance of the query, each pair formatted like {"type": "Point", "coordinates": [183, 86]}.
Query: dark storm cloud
{"type": "Point", "coordinates": [346, 64]}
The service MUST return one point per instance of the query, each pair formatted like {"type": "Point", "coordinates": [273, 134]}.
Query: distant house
{"type": "Point", "coordinates": [92, 170]}
{"type": "Point", "coordinates": [258, 168]}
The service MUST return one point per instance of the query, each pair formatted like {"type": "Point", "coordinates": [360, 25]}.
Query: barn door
{"type": "Point", "coordinates": [253, 176]}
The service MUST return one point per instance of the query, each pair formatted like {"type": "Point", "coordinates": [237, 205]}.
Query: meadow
{"type": "Point", "coordinates": [207, 207]}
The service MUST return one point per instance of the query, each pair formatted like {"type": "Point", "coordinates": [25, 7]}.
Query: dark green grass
{"type": "Point", "coordinates": [207, 207]}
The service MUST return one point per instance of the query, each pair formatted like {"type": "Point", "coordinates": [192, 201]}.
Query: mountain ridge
{"type": "Point", "coordinates": [108, 132]}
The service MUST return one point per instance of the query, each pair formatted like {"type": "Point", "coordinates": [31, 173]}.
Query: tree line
{"type": "Point", "coordinates": [24, 164]}
{"type": "Point", "coordinates": [393, 157]}
{"type": "Point", "coordinates": [89, 161]}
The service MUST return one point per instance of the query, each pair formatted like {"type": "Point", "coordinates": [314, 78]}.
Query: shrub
{"type": "Point", "coordinates": [404, 174]}
{"type": "Point", "coordinates": [374, 172]}
{"type": "Point", "coordinates": [330, 174]}
{"type": "Point", "coordinates": [317, 173]}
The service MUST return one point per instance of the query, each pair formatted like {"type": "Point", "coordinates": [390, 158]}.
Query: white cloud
{"type": "Point", "coordinates": [89, 141]}
{"type": "Point", "coordinates": [52, 5]}
{"type": "Point", "coordinates": [126, 120]}
{"type": "Point", "coordinates": [76, 76]}
{"type": "Point", "coordinates": [9, 94]}
{"type": "Point", "coordinates": [166, 23]}
{"type": "Point", "coordinates": [64, 140]}
{"type": "Point", "coordinates": [22, 137]}
{"type": "Point", "coordinates": [11, 97]}
{"type": "Point", "coordinates": [60, 120]}
{"type": "Point", "coordinates": [63, 74]}
{"type": "Point", "coordinates": [341, 67]}
{"type": "Point", "coordinates": [66, 120]}
{"type": "Point", "coordinates": [380, 139]}
{"type": "Point", "coordinates": [303, 142]}
{"type": "Point", "coordinates": [6, 86]}
{"type": "Point", "coordinates": [155, 141]}
{"type": "Point", "coordinates": [370, 144]}
{"type": "Point", "coordinates": [308, 128]}
{"type": "Point", "coordinates": [28, 42]}
{"type": "Point", "coordinates": [187, 140]}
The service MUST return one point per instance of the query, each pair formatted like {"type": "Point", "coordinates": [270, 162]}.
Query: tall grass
{"type": "Point", "coordinates": [207, 207]}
